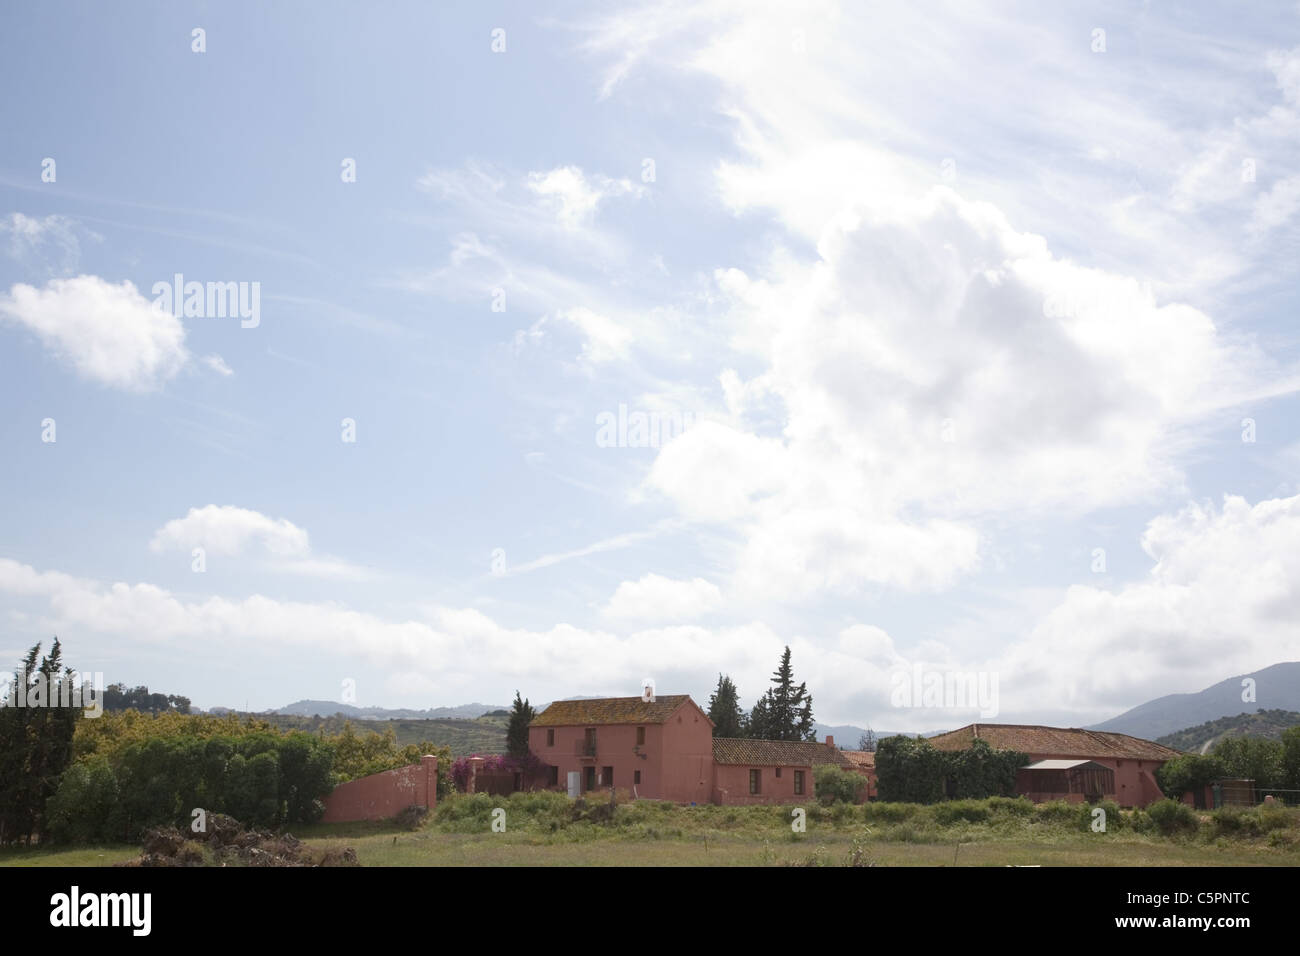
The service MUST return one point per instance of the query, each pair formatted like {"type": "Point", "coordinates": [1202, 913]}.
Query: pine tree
{"type": "Point", "coordinates": [724, 709]}
{"type": "Point", "coordinates": [759, 725]}
{"type": "Point", "coordinates": [35, 744]}
{"type": "Point", "coordinates": [521, 715]}
{"type": "Point", "coordinates": [785, 711]}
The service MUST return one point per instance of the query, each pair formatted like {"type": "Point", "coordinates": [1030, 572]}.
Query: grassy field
{"type": "Point", "coordinates": [549, 830]}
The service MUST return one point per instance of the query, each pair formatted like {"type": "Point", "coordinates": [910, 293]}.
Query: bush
{"type": "Point", "coordinates": [1114, 815]}
{"type": "Point", "coordinates": [466, 813]}
{"type": "Point", "coordinates": [1011, 807]}
{"type": "Point", "coordinates": [1235, 821]}
{"type": "Point", "coordinates": [832, 784]}
{"type": "Point", "coordinates": [1170, 817]}
{"type": "Point", "coordinates": [889, 812]}
{"type": "Point", "coordinates": [1060, 812]}
{"type": "Point", "coordinates": [969, 811]}
{"type": "Point", "coordinates": [85, 808]}
{"type": "Point", "coordinates": [1276, 818]}
{"type": "Point", "coordinates": [912, 770]}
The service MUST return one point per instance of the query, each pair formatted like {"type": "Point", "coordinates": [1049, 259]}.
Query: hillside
{"type": "Point", "coordinates": [484, 735]}
{"type": "Point", "coordinates": [1276, 688]}
{"type": "Point", "coordinates": [1261, 723]}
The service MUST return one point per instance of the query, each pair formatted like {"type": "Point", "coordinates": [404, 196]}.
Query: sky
{"type": "Point", "coordinates": [585, 344]}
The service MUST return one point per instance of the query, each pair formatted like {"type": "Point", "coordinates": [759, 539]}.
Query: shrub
{"type": "Point", "coordinates": [85, 808]}
{"type": "Point", "coordinates": [1235, 821]}
{"type": "Point", "coordinates": [832, 784]}
{"type": "Point", "coordinates": [411, 818]}
{"type": "Point", "coordinates": [1059, 812]}
{"type": "Point", "coordinates": [1171, 817]}
{"type": "Point", "coordinates": [889, 812]}
{"type": "Point", "coordinates": [969, 811]}
{"type": "Point", "coordinates": [1011, 807]}
{"type": "Point", "coordinates": [1276, 818]}
{"type": "Point", "coordinates": [1114, 815]}
{"type": "Point", "coordinates": [465, 813]}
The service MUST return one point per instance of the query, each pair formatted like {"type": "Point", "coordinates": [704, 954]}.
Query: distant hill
{"type": "Point", "coordinates": [1276, 688]}
{"type": "Point", "coordinates": [328, 708]}
{"type": "Point", "coordinates": [847, 736]}
{"type": "Point", "coordinates": [1261, 723]}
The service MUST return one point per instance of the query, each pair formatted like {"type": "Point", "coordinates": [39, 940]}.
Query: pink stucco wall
{"type": "Point", "coordinates": [731, 784]}
{"type": "Point", "coordinates": [688, 768]}
{"type": "Point", "coordinates": [383, 795]}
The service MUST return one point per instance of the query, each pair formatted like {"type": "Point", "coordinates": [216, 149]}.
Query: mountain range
{"type": "Point", "coordinates": [1274, 688]}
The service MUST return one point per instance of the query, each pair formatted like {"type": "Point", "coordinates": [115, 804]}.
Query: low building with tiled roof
{"type": "Point", "coordinates": [769, 771]}
{"type": "Point", "coordinates": [1067, 741]}
{"type": "Point", "coordinates": [1133, 760]}
{"type": "Point", "coordinates": [776, 753]}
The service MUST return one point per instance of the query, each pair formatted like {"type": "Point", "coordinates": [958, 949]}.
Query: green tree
{"type": "Point", "coordinates": [980, 771]}
{"type": "Point", "coordinates": [832, 783]}
{"type": "Point", "coordinates": [910, 770]}
{"type": "Point", "coordinates": [521, 716]}
{"type": "Point", "coordinates": [1291, 758]}
{"type": "Point", "coordinates": [1254, 758]}
{"type": "Point", "coordinates": [758, 723]}
{"type": "Point", "coordinates": [724, 709]}
{"type": "Point", "coordinates": [36, 742]}
{"type": "Point", "coordinates": [785, 711]}
{"type": "Point", "coordinates": [1188, 772]}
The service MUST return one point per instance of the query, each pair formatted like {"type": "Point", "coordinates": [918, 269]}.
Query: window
{"type": "Point", "coordinates": [550, 737]}
{"type": "Point", "coordinates": [778, 773]}
{"type": "Point", "coordinates": [640, 736]}
{"type": "Point", "coordinates": [798, 782]}
{"type": "Point", "coordinates": [756, 781]}
{"type": "Point", "coordinates": [636, 776]}
{"type": "Point", "coordinates": [555, 776]}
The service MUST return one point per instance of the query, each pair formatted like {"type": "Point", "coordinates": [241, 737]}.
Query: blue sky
{"type": "Point", "coordinates": [945, 300]}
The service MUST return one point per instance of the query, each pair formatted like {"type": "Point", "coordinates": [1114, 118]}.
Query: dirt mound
{"type": "Point", "coordinates": [228, 843]}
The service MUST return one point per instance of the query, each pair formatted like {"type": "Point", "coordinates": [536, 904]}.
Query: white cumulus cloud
{"type": "Point", "coordinates": [111, 334]}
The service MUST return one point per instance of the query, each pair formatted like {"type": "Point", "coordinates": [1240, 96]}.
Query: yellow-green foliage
{"type": "Point", "coordinates": [113, 730]}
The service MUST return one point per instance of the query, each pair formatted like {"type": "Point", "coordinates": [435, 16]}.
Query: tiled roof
{"type": "Point", "coordinates": [608, 710]}
{"type": "Point", "coordinates": [861, 759]}
{"type": "Point", "coordinates": [1062, 741]}
{"type": "Point", "coordinates": [775, 753]}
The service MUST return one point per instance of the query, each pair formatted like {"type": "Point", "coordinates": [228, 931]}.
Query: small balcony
{"type": "Point", "coordinates": [585, 749]}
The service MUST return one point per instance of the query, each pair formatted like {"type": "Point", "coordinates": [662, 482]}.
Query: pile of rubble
{"type": "Point", "coordinates": [229, 844]}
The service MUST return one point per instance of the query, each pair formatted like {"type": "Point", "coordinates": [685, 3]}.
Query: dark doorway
{"type": "Point", "coordinates": [590, 781]}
